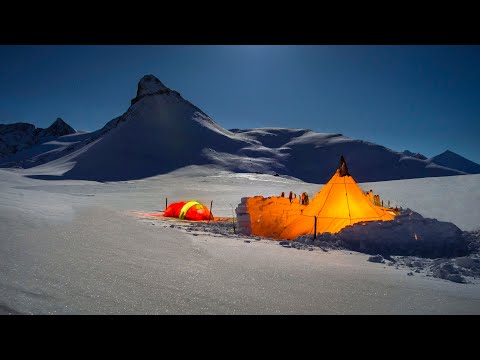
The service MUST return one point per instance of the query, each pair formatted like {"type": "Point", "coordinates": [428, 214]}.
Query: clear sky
{"type": "Point", "coordinates": [421, 98]}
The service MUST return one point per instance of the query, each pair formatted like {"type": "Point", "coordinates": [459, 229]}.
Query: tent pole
{"type": "Point", "coordinates": [233, 221]}
{"type": "Point", "coordinates": [315, 228]}
{"type": "Point", "coordinates": [211, 203]}
{"type": "Point", "coordinates": [166, 203]}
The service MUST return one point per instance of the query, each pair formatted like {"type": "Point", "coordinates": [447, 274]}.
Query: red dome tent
{"type": "Point", "coordinates": [188, 210]}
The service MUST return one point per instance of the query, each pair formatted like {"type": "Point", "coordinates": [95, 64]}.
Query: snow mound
{"type": "Point", "coordinates": [410, 234]}
{"type": "Point", "coordinates": [456, 270]}
{"type": "Point", "coordinates": [377, 259]}
{"type": "Point", "coordinates": [449, 272]}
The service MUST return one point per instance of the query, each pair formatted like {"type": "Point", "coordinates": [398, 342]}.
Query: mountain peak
{"type": "Point", "coordinates": [58, 122]}
{"type": "Point", "coordinates": [148, 85]}
{"type": "Point", "coordinates": [58, 128]}
{"type": "Point", "coordinates": [454, 161]}
{"type": "Point", "coordinates": [448, 153]}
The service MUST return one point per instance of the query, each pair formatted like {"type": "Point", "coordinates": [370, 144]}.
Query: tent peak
{"type": "Point", "coordinates": [342, 168]}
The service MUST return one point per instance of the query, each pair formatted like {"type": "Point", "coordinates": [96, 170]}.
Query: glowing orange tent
{"type": "Point", "coordinates": [188, 210]}
{"type": "Point", "coordinates": [338, 204]}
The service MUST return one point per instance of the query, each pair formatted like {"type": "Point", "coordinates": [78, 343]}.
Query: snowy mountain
{"type": "Point", "coordinates": [455, 161]}
{"type": "Point", "coordinates": [21, 136]}
{"type": "Point", "coordinates": [161, 132]}
{"type": "Point", "coordinates": [15, 137]}
{"type": "Point", "coordinates": [313, 157]}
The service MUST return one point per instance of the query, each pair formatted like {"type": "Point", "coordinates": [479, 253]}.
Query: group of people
{"type": "Point", "coordinates": [303, 198]}
{"type": "Point", "coordinates": [376, 199]}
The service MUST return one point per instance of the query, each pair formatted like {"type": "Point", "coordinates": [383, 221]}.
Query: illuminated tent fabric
{"type": "Point", "coordinates": [188, 210]}
{"type": "Point", "coordinates": [267, 216]}
{"type": "Point", "coordinates": [340, 203]}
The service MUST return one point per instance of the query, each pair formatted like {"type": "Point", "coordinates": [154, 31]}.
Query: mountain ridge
{"type": "Point", "coordinates": [20, 136]}
{"type": "Point", "coordinates": [161, 132]}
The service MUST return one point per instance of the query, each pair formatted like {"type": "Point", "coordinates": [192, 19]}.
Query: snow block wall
{"type": "Point", "coordinates": [267, 217]}
{"type": "Point", "coordinates": [243, 218]}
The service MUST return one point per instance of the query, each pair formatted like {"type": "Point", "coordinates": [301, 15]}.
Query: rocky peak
{"type": "Point", "coordinates": [453, 160]}
{"type": "Point", "coordinates": [149, 85]}
{"type": "Point", "coordinates": [58, 128]}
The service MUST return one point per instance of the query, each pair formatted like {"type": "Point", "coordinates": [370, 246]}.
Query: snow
{"type": "Point", "coordinates": [376, 259]}
{"type": "Point", "coordinates": [408, 234]}
{"type": "Point", "coordinates": [416, 155]}
{"type": "Point", "coordinates": [20, 141]}
{"type": "Point", "coordinates": [271, 137]}
{"type": "Point", "coordinates": [74, 237]}
{"type": "Point", "coordinates": [73, 246]}
{"type": "Point", "coordinates": [162, 132]}
{"type": "Point", "coordinates": [15, 137]}
{"type": "Point", "coordinates": [318, 139]}
{"type": "Point", "coordinates": [453, 199]}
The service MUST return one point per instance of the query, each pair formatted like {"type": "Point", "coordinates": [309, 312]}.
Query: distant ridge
{"type": "Point", "coordinates": [454, 161]}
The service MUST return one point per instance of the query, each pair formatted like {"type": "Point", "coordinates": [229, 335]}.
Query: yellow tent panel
{"type": "Point", "coordinates": [338, 204]}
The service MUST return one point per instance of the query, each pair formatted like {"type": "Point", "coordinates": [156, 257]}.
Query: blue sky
{"type": "Point", "coordinates": [421, 98]}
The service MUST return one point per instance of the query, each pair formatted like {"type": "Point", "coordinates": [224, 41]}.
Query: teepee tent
{"type": "Point", "coordinates": [340, 203]}
{"type": "Point", "coordinates": [188, 210]}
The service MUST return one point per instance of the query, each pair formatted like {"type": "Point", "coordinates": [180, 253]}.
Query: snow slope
{"type": "Point", "coordinates": [73, 247]}
{"type": "Point", "coordinates": [47, 150]}
{"type": "Point", "coordinates": [159, 134]}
